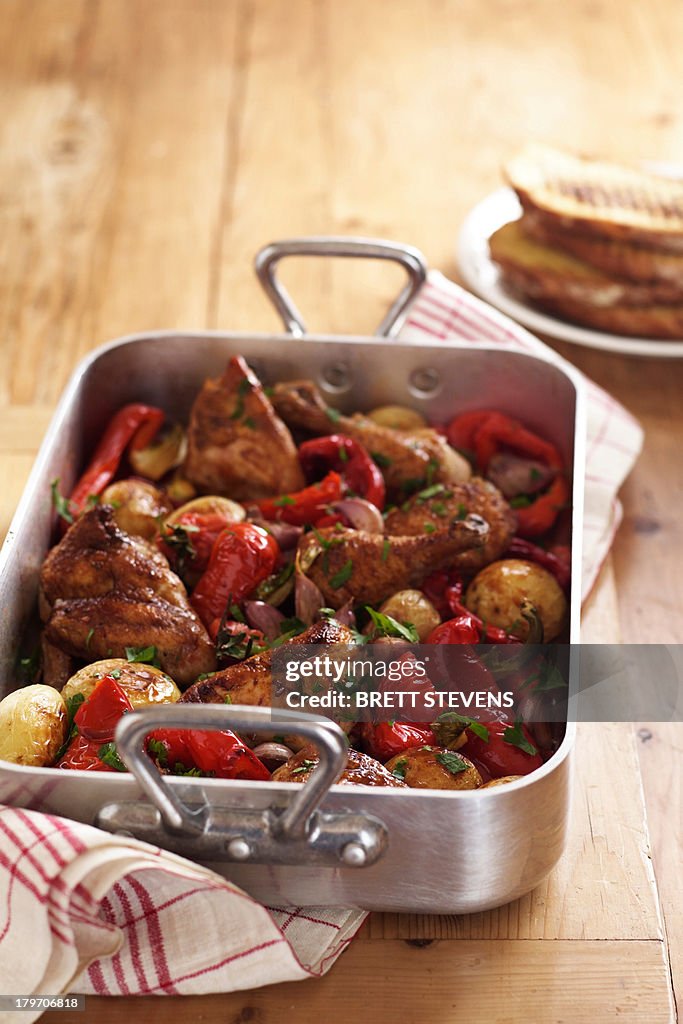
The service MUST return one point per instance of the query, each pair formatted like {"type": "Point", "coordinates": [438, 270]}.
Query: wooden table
{"type": "Point", "coordinates": [150, 147]}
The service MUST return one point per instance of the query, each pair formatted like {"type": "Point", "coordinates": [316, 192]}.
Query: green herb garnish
{"type": "Point", "coordinates": [283, 501]}
{"type": "Point", "coordinates": [429, 528]}
{"type": "Point", "coordinates": [452, 762]}
{"type": "Point", "coordinates": [387, 625]}
{"type": "Point", "coordinates": [383, 461]}
{"type": "Point", "coordinates": [143, 655]}
{"type": "Point", "coordinates": [333, 414]}
{"type": "Point", "coordinates": [400, 768]}
{"type": "Point", "coordinates": [521, 501]}
{"type": "Point", "coordinates": [60, 503]}
{"type": "Point", "coordinates": [305, 767]}
{"type": "Point", "coordinates": [516, 738]}
{"type": "Point", "coordinates": [343, 575]}
{"type": "Point", "coordinates": [108, 754]}
{"type": "Point", "coordinates": [386, 548]}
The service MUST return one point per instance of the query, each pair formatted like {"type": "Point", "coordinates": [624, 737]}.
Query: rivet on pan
{"type": "Point", "coordinates": [354, 855]}
{"type": "Point", "coordinates": [424, 382]}
{"type": "Point", "coordinates": [239, 849]}
{"type": "Point", "coordinates": [335, 377]}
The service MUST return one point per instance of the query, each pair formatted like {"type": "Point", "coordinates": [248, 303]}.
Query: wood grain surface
{"type": "Point", "coordinates": [148, 148]}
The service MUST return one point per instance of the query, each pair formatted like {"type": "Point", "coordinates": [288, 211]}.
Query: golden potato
{"type": "Point", "coordinates": [165, 452]}
{"type": "Point", "coordinates": [143, 684]}
{"type": "Point", "coordinates": [496, 595]}
{"type": "Point", "coordinates": [398, 417]}
{"type": "Point", "coordinates": [434, 768]}
{"type": "Point", "coordinates": [503, 781]}
{"type": "Point", "coordinates": [138, 505]}
{"type": "Point", "coordinates": [33, 725]}
{"type": "Point", "coordinates": [413, 607]}
{"type": "Point", "coordinates": [210, 504]}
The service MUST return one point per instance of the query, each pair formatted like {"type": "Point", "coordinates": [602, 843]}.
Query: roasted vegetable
{"type": "Point", "coordinates": [143, 684]}
{"type": "Point", "coordinates": [138, 506]}
{"type": "Point", "coordinates": [33, 724]}
{"type": "Point", "coordinates": [397, 417]}
{"type": "Point", "coordinates": [497, 593]}
{"type": "Point", "coordinates": [164, 453]}
{"type": "Point", "coordinates": [411, 606]}
{"type": "Point", "coordinates": [430, 767]}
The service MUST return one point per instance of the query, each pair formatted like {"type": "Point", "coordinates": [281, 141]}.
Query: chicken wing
{"type": "Point", "coordinates": [237, 445]}
{"type": "Point", "coordinates": [251, 681]}
{"type": "Point", "coordinates": [407, 460]}
{"type": "Point", "coordinates": [435, 507]}
{"type": "Point", "coordinates": [103, 591]}
{"type": "Point", "coordinates": [353, 565]}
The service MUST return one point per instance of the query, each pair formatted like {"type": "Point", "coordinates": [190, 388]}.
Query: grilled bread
{"type": "Point", "coordinates": [598, 198]}
{"type": "Point", "coordinates": [653, 322]}
{"type": "Point", "coordinates": [639, 263]}
{"type": "Point", "coordinates": [542, 273]}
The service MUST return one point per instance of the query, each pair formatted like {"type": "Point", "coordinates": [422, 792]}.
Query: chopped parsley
{"type": "Point", "coordinates": [343, 575]}
{"type": "Point", "coordinates": [514, 735]}
{"type": "Point", "coordinates": [386, 548]}
{"type": "Point", "coordinates": [333, 414]}
{"type": "Point", "coordinates": [60, 503]}
{"type": "Point", "coordinates": [143, 655]}
{"type": "Point", "coordinates": [452, 762]}
{"type": "Point", "coordinates": [400, 768]}
{"type": "Point", "coordinates": [250, 422]}
{"type": "Point", "coordinates": [177, 536]}
{"type": "Point", "coordinates": [91, 633]}
{"type": "Point", "coordinates": [439, 509]}
{"type": "Point", "coordinates": [535, 474]}
{"type": "Point", "coordinates": [305, 767]}
{"type": "Point", "coordinates": [343, 454]}
{"type": "Point", "coordinates": [521, 501]}
{"type": "Point", "coordinates": [109, 755]}
{"type": "Point", "coordinates": [284, 500]}
{"type": "Point", "coordinates": [243, 389]}
{"type": "Point", "coordinates": [158, 750]}
{"type": "Point", "coordinates": [383, 461]}
{"type": "Point", "coordinates": [462, 512]}
{"type": "Point", "coordinates": [432, 492]}
{"type": "Point", "coordinates": [429, 528]}
{"type": "Point", "coordinates": [475, 727]}
{"type": "Point", "coordinates": [387, 625]}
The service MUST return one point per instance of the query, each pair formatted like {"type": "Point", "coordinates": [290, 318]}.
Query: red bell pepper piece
{"type": "Point", "coordinates": [242, 555]}
{"type": "Point", "coordinates": [96, 718]}
{"type": "Point", "coordinates": [344, 455]}
{"type": "Point", "coordinates": [83, 754]}
{"type": "Point", "coordinates": [222, 754]}
{"type": "Point", "coordinates": [556, 562]}
{"type": "Point", "coordinates": [464, 629]}
{"type": "Point", "coordinates": [134, 425]}
{"type": "Point", "coordinates": [484, 433]}
{"type": "Point", "coordinates": [303, 507]}
{"type": "Point", "coordinates": [383, 740]}
{"type": "Point", "coordinates": [487, 633]}
{"type": "Point", "coordinates": [501, 755]}
{"type": "Point", "coordinates": [189, 541]}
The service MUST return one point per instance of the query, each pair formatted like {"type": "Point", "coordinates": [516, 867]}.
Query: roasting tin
{"type": "Point", "coordinates": [318, 844]}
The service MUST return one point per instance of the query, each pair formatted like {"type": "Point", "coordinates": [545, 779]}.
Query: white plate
{"type": "Point", "coordinates": [481, 274]}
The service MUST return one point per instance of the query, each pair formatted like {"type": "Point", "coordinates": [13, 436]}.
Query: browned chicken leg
{"type": "Point", "coordinates": [251, 681]}
{"type": "Point", "coordinates": [433, 508]}
{"type": "Point", "coordinates": [408, 461]}
{"type": "Point", "coordinates": [368, 567]}
{"type": "Point", "coordinates": [237, 445]}
{"type": "Point", "coordinates": [103, 591]}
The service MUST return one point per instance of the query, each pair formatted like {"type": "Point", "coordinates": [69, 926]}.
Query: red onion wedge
{"type": "Point", "coordinates": [360, 514]}
{"type": "Point", "coordinates": [307, 599]}
{"type": "Point", "coordinates": [265, 617]}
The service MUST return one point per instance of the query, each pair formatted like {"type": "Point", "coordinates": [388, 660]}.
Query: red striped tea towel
{"type": "Point", "coordinates": [445, 311]}
{"type": "Point", "coordinates": [85, 911]}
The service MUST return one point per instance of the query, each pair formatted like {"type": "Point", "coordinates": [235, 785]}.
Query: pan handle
{"type": "Point", "coordinates": [410, 258]}
{"type": "Point", "coordinates": [296, 833]}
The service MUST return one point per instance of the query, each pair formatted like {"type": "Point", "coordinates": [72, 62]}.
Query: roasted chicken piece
{"type": "Point", "coordinates": [434, 508]}
{"type": "Point", "coordinates": [251, 681]}
{"type": "Point", "coordinates": [407, 459]}
{"type": "Point", "coordinates": [237, 445]}
{"type": "Point", "coordinates": [361, 769]}
{"type": "Point", "coordinates": [367, 567]}
{"type": "Point", "coordinates": [103, 591]}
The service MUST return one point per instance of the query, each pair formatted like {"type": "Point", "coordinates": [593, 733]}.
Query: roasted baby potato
{"type": "Point", "coordinates": [33, 725]}
{"type": "Point", "coordinates": [138, 506]}
{"type": "Point", "coordinates": [502, 781]}
{"type": "Point", "coordinates": [434, 768]}
{"type": "Point", "coordinates": [143, 684]}
{"type": "Point", "coordinates": [361, 770]}
{"type": "Point", "coordinates": [414, 607]}
{"type": "Point", "coordinates": [210, 504]}
{"type": "Point", "coordinates": [496, 595]}
{"type": "Point", "coordinates": [398, 417]}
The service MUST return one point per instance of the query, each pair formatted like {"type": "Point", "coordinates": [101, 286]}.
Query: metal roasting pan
{"type": "Point", "coordinates": [318, 844]}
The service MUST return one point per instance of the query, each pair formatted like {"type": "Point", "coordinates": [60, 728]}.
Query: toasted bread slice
{"type": "Point", "coordinates": [599, 198]}
{"type": "Point", "coordinates": [543, 273]}
{"type": "Point", "coordinates": [664, 323]}
{"type": "Point", "coordinates": [638, 263]}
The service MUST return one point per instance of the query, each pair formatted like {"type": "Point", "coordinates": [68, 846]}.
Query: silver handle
{"type": "Point", "coordinates": [410, 259]}
{"type": "Point", "coordinates": [298, 833]}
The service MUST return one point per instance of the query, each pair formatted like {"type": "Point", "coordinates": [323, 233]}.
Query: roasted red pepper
{"type": "Point", "coordinates": [487, 633]}
{"type": "Point", "coordinates": [83, 754]}
{"type": "Point", "coordinates": [556, 562]}
{"type": "Point", "coordinates": [501, 755]}
{"type": "Point", "coordinates": [484, 433]}
{"type": "Point", "coordinates": [96, 718]}
{"type": "Point", "coordinates": [242, 555]}
{"type": "Point", "coordinates": [222, 754]}
{"type": "Point", "coordinates": [135, 425]}
{"type": "Point", "coordinates": [306, 506]}
{"type": "Point", "coordinates": [346, 456]}
{"type": "Point", "coordinates": [383, 740]}
{"type": "Point", "coordinates": [189, 541]}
